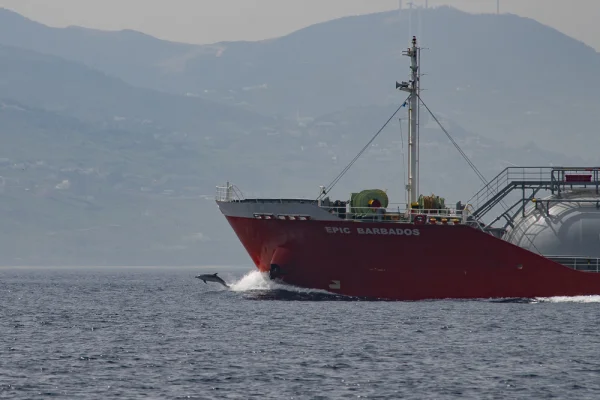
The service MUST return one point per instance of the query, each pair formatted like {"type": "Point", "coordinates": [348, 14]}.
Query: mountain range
{"type": "Point", "coordinates": [111, 143]}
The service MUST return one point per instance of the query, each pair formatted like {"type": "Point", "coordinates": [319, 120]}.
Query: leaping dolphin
{"type": "Point", "coordinates": [212, 278]}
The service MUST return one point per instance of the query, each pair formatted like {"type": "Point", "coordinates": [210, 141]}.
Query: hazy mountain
{"type": "Point", "coordinates": [502, 76]}
{"type": "Point", "coordinates": [94, 171]}
{"type": "Point", "coordinates": [97, 166]}
{"type": "Point", "coordinates": [130, 55]}
{"type": "Point", "coordinates": [53, 83]}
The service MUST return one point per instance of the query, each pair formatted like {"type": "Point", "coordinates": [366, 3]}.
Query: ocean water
{"type": "Point", "coordinates": [159, 333]}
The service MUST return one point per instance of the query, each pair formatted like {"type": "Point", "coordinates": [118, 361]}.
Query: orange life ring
{"type": "Point", "coordinates": [419, 219]}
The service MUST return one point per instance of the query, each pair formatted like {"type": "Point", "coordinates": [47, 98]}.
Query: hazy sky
{"type": "Point", "coordinates": [207, 21]}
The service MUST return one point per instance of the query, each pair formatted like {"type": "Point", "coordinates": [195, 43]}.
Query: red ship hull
{"type": "Point", "coordinates": [405, 261]}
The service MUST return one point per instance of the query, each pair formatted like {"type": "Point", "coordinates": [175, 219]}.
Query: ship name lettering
{"type": "Point", "coordinates": [388, 231]}
{"type": "Point", "coordinates": [336, 229]}
{"type": "Point", "coordinates": [373, 231]}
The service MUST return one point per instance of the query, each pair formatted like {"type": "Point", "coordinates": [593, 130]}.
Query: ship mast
{"type": "Point", "coordinates": [412, 87]}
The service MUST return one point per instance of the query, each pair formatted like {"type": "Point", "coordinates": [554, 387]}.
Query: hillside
{"type": "Point", "coordinates": [56, 84]}
{"type": "Point", "coordinates": [102, 165]}
{"type": "Point", "coordinates": [132, 56]}
{"type": "Point", "coordinates": [77, 193]}
{"type": "Point", "coordinates": [511, 81]}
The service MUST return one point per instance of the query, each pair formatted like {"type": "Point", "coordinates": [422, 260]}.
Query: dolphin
{"type": "Point", "coordinates": [212, 278]}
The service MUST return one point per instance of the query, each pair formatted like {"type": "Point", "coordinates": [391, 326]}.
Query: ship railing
{"type": "Point", "coordinates": [543, 178]}
{"type": "Point", "coordinates": [578, 263]}
{"type": "Point", "coordinates": [400, 214]}
{"type": "Point", "coordinates": [228, 193]}
{"type": "Point", "coordinates": [504, 178]}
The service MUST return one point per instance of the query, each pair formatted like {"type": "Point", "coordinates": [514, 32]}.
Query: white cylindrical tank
{"type": "Point", "coordinates": [569, 227]}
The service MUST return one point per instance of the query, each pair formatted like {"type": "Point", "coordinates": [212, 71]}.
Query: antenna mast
{"type": "Point", "coordinates": [410, 4]}
{"type": "Point", "coordinates": [412, 87]}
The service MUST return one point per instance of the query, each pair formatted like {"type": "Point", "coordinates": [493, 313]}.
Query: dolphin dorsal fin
{"type": "Point", "coordinates": [215, 274]}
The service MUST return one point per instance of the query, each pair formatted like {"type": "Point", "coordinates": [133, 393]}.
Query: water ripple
{"type": "Point", "coordinates": [129, 334]}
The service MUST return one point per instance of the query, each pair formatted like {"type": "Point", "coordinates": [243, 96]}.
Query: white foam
{"type": "Point", "coordinates": [253, 280]}
{"type": "Point", "coordinates": [570, 299]}
{"type": "Point", "coordinates": [256, 280]}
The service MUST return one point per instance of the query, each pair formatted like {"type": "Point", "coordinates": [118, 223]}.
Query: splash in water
{"type": "Point", "coordinates": [570, 299]}
{"type": "Point", "coordinates": [253, 280]}
{"type": "Point", "coordinates": [256, 280]}
{"type": "Point", "coordinates": [256, 285]}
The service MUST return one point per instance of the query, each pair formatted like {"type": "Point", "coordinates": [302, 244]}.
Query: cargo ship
{"type": "Point", "coordinates": [529, 232]}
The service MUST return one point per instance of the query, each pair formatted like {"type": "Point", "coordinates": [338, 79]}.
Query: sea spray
{"type": "Point", "coordinates": [253, 280]}
{"type": "Point", "coordinates": [570, 299]}
{"type": "Point", "coordinates": [260, 282]}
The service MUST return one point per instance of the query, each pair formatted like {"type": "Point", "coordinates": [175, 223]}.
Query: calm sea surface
{"type": "Point", "coordinates": [160, 333]}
